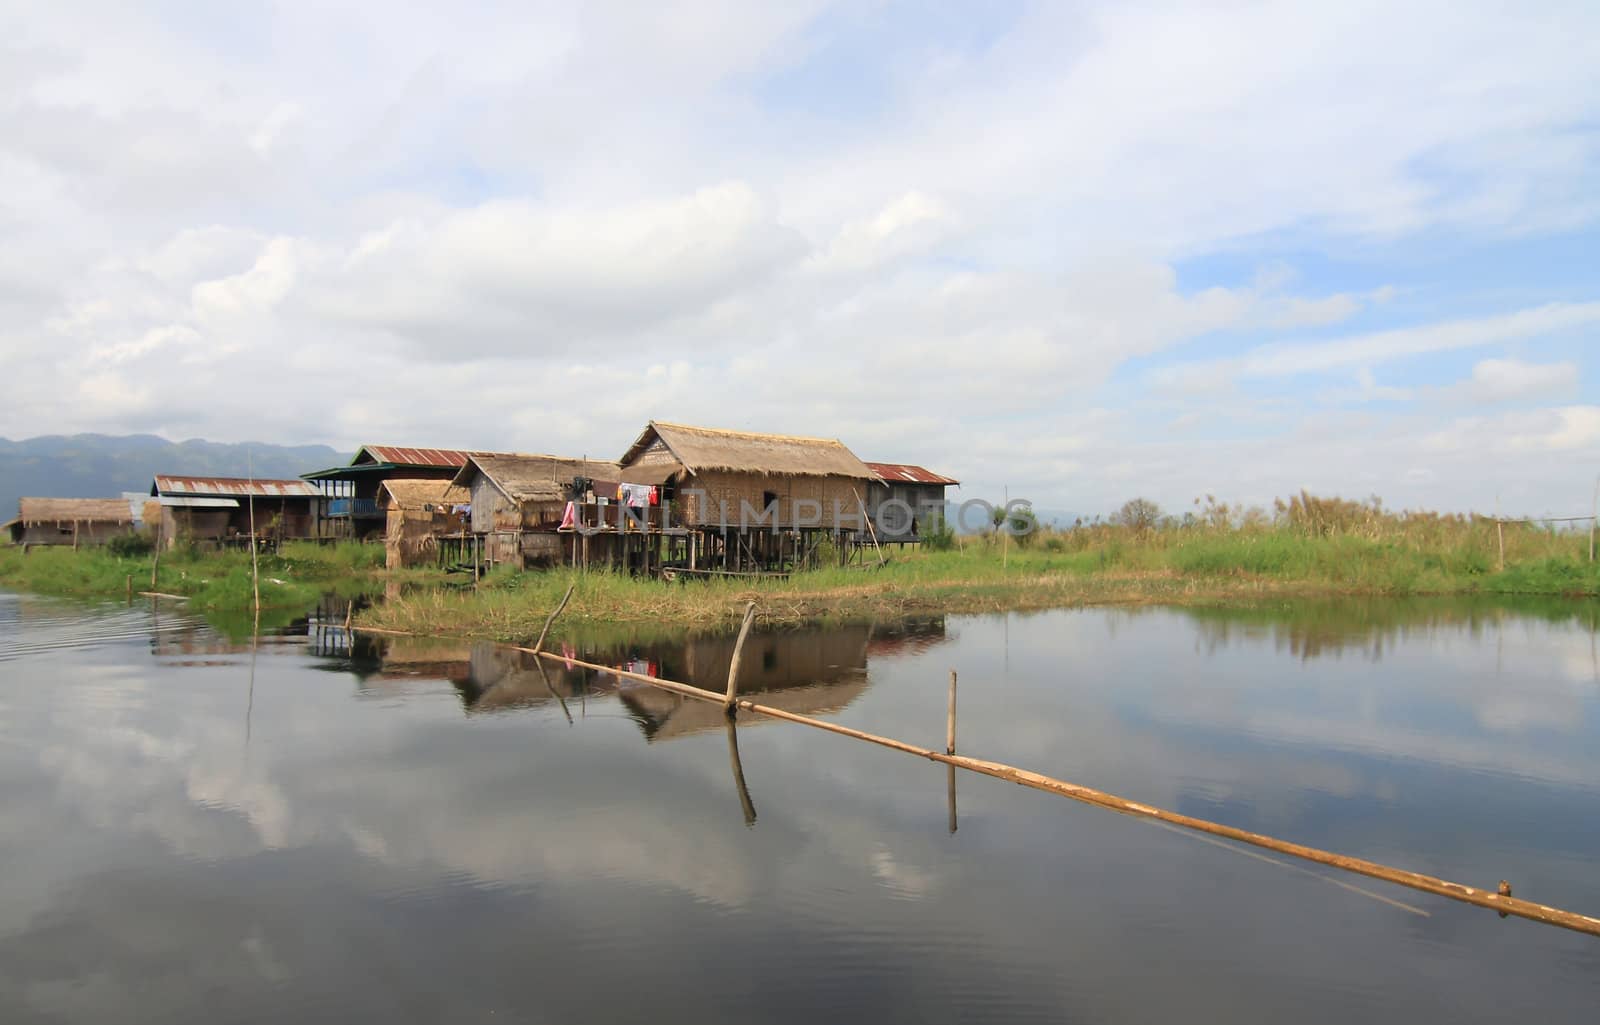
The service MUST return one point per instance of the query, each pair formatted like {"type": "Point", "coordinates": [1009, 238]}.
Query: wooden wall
{"type": "Point", "coordinates": [734, 488]}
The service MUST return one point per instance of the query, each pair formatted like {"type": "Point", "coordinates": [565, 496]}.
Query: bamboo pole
{"type": "Point", "coordinates": [728, 703]}
{"type": "Point", "coordinates": [538, 645]}
{"type": "Point", "coordinates": [130, 588]}
{"type": "Point", "coordinates": [950, 722]}
{"type": "Point", "coordinates": [950, 792]}
{"type": "Point", "coordinates": [1500, 532]}
{"type": "Point", "coordinates": [1594, 516]}
{"type": "Point", "coordinates": [1414, 880]}
{"type": "Point", "coordinates": [255, 565]}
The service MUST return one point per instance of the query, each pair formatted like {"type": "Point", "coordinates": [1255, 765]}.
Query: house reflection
{"type": "Point", "coordinates": [811, 671]}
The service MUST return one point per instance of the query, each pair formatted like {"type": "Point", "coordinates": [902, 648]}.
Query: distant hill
{"type": "Point", "coordinates": [104, 466]}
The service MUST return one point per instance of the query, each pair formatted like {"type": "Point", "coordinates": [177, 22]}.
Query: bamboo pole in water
{"type": "Point", "coordinates": [1086, 795]}
{"type": "Point", "coordinates": [950, 720]}
{"type": "Point", "coordinates": [729, 702]}
{"type": "Point", "coordinates": [538, 645]}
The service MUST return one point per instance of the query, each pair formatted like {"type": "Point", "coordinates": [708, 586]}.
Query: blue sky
{"type": "Point", "coordinates": [1080, 251]}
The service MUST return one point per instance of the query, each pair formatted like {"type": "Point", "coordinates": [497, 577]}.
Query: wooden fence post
{"type": "Point", "coordinates": [729, 705]}
{"type": "Point", "coordinates": [950, 722]}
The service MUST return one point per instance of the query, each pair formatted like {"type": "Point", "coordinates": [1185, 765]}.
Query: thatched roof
{"type": "Point", "coordinates": [700, 449]}
{"type": "Point", "coordinates": [523, 478]}
{"type": "Point", "coordinates": [404, 493]}
{"type": "Point", "coordinates": [70, 510]}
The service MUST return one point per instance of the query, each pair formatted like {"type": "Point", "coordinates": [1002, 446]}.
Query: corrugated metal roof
{"type": "Point", "coordinates": [444, 458]}
{"type": "Point", "coordinates": [909, 473]}
{"type": "Point", "coordinates": [191, 502]}
{"type": "Point", "coordinates": [236, 487]}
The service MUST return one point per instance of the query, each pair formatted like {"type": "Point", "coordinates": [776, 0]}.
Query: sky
{"type": "Point", "coordinates": [1070, 252]}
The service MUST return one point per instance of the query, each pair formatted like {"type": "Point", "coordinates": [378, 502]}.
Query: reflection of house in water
{"type": "Point", "coordinates": [810, 672]}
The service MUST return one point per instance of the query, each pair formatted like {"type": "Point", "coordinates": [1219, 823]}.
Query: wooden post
{"type": "Point", "coordinates": [130, 588]}
{"type": "Point", "coordinates": [255, 567]}
{"type": "Point", "coordinates": [729, 705]}
{"type": "Point", "coordinates": [74, 535]}
{"type": "Point", "coordinates": [538, 645]}
{"type": "Point", "coordinates": [161, 540]}
{"type": "Point", "coordinates": [1594, 516]}
{"type": "Point", "coordinates": [950, 721]}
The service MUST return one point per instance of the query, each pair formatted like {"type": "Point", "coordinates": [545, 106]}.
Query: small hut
{"type": "Point", "coordinates": [353, 500]}
{"type": "Point", "coordinates": [519, 502]}
{"type": "Point", "coordinates": [911, 500]}
{"type": "Point", "coordinates": [219, 510]}
{"type": "Point", "coordinates": [69, 521]}
{"type": "Point", "coordinates": [418, 513]}
{"type": "Point", "coordinates": [753, 501]}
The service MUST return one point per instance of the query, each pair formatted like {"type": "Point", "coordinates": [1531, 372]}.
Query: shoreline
{"type": "Point", "coordinates": [510, 606]}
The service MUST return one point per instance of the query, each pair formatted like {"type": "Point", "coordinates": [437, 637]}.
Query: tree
{"type": "Point", "coordinates": [1139, 514]}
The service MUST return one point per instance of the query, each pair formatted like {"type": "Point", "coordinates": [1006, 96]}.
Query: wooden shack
{"type": "Point", "coordinates": [354, 509]}
{"type": "Point", "coordinates": [215, 511]}
{"type": "Point", "coordinates": [519, 502]}
{"type": "Point", "coordinates": [69, 521]}
{"type": "Point", "coordinates": [418, 514]}
{"type": "Point", "coordinates": [752, 502]}
{"type": "Point", "coordinates": [911, 500]}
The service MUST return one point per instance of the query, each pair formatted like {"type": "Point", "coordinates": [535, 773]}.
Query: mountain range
{"type": "Point", "coordinates": [104, 466]}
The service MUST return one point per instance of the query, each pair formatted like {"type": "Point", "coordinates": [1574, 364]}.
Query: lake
{"type": "Point", "coordinates": [198, 828]}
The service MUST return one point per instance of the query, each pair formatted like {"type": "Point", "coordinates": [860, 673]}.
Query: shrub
{"type": "Point", "coordinates": [130, 546]}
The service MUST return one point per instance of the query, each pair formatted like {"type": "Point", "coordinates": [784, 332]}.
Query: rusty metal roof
{"type": "Point", "coordinates": [234, 487]}
{"type": "Point", "coordinates": [909, 473]}
{"type": "Point", "coordinates": [443, 458]}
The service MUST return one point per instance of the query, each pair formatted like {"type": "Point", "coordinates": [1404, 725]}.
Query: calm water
{"type": "Point", "coordinates": [191, 831]}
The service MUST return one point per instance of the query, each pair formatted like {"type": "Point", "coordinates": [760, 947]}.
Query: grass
{"type": "Point", "coordinates": [1312, 548]}
{"type": "Point", "coordinates": [1308, 547]}
{"type": "Point", "coordinates": [295, 578]}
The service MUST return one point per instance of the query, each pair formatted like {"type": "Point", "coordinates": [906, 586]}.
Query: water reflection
{"type": "Point", "coordinates": [305, 833]}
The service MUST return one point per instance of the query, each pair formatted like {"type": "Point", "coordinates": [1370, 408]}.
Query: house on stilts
{"type": "Point", "coordinates": [743, 502]}
{"type": "Point", "coordinates": [910, 504]}
{"type": "Point", "coordinates": [355, 509]}
{"type": "Point", "coordinates": [520, 506]}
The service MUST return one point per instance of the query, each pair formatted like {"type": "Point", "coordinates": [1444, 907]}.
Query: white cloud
{"type": "Point", "coordinates": [1502, 380]}
{"type": "Point", "coordinates": [475, 226]}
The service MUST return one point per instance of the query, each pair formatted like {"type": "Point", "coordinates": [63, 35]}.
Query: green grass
{"type": "Point", "coordinates": [1194, 565]}
{"type": "Point", "coordinates": [221, 582]}
{"type": "Point", "coordinates": [1313, 547]}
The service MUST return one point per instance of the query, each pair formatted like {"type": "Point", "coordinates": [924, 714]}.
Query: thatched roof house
{"type": "Point", "coordinates": [518, 500]}
{"type": "Point", "coordinates": [69, 521]}
{"type": "Point", "coordinates": [417, 514]}
{"type": "Point", "coordinates": [714, 474]}
{"type": "Point", "coordinates": [421, 495]}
